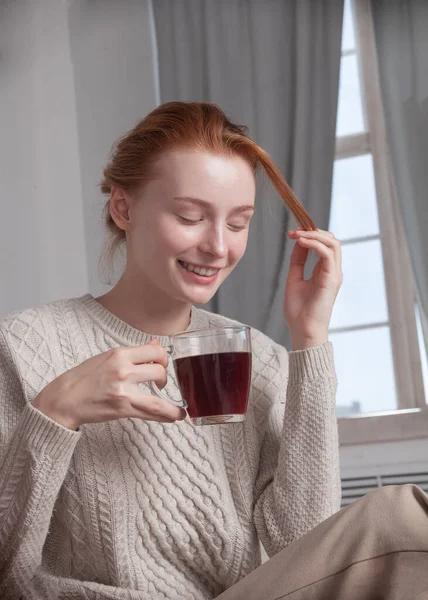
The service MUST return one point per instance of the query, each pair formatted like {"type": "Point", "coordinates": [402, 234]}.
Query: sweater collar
{"type": "Point", "coordinates": [121, 330]}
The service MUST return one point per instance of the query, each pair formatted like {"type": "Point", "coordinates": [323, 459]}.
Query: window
{"type": "Point", "coordinates": [374, 326]}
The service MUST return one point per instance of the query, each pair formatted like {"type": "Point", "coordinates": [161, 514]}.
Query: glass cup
{"type": "Point", "coordinates": [213, 370]}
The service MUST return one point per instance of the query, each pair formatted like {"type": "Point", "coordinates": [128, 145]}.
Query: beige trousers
{"type": "Point", "coordinates": [375, 549]}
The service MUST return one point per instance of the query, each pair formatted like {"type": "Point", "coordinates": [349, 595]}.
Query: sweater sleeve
{"type": "Point", "coordinates": [35, 453]}
{"type": "Point", "coordinates": [298, 481]}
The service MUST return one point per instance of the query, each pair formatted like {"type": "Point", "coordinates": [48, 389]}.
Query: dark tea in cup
{"type": "Point", "coordinates": [215, 386]}
{"type": "Point", "coordinates": [213, 370]}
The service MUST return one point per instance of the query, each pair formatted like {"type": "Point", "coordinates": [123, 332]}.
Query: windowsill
{"type": "Point", "coordinates": [384, 427]}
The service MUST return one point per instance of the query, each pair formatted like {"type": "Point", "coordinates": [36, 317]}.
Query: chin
{"type": "Point", "coordinates": [199, 298]}
{"type": "Point", "coordinates": [194, 296]}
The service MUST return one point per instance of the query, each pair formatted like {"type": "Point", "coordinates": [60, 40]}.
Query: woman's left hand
{"type": "Point", "coordinates": [308, 304]}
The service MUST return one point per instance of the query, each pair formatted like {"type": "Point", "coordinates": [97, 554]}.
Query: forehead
{"type": "Point", "coordinates": [201, 174]}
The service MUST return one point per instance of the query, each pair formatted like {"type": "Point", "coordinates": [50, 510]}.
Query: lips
{"type": "Point", "coordinates": [199, 270]}
{"type": "Point", "coordinates": [195, 277]}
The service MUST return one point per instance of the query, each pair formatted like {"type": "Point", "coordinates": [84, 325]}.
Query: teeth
{"type": "Point", "coordinates": [200, 270]}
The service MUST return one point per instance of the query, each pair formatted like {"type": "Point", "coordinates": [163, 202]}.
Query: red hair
{"type": "Point", "coordinates": [197, 125]}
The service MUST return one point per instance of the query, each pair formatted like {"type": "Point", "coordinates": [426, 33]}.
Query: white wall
{"type": "Point", "coordinates": [73, 76]}
{"type": "Point", "coordinates": [42, 247]}
{"type": "Point", "coordinates": [112, 55]}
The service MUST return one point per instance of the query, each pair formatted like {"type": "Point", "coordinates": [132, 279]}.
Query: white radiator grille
{"type": "Point", "coordinates": [356, 487]}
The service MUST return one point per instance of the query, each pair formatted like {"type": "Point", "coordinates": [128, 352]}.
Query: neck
{"type": "Point", "coordinates": [151, 312]}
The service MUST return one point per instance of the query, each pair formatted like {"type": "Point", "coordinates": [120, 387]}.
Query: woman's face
{"type": "Point", "coordinates": [188, 228]}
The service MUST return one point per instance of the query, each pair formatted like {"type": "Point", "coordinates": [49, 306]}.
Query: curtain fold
{"type": "Point", "coordinates": [401, 34]}
{"type": "Point", "coordinates": [273, 66]}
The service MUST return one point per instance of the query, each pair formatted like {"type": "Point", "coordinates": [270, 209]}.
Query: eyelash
{"type": "Point", "coordinates": [195, 222]}
{"type": "Point", "coordinates": [190, 221]}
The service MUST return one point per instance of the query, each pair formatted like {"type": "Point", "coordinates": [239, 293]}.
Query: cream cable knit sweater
{"type": "Point", "coordinates": [137, 510]}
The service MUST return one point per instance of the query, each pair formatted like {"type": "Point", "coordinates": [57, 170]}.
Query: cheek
{"type": "Point", "coordinates": [179, 239]}
{"type": "Point", "coordinates": [160, 241]}
{"type": "Point", "coordinates": [237, 247]}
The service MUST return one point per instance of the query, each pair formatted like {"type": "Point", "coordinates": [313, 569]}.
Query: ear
{"type": "Point", "coordinates": [120, 208]}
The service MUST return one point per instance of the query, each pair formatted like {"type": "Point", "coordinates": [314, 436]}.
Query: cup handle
{"type": "Point", "coordinates": [157, 392]}
{"type": "Point", "coordinates": [160, 394]}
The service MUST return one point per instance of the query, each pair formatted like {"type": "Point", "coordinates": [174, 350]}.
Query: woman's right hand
{"type": "Point", "coordinates": [105, 388]}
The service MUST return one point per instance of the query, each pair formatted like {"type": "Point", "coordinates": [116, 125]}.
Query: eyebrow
{"type": "Point", "coordinates": [200, 202]}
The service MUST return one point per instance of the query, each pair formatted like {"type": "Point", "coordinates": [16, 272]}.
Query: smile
{"type": "Point", "coordinates": [205, 272]}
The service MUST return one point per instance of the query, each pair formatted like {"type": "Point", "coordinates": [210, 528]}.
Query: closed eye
{"type": "Point", "coordinates": [237, 227]}
{"type": "Point", "coordinates": [232, 226]}
{"type": "Point", "coordinates": [189, 221]}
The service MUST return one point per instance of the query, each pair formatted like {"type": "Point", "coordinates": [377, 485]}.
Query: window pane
{"type": "Point", "coordinates": [348, 35]}
{"type": "Point", "coordinates": [354, 207]}
{"type": "Point", "coordinates": [362, 298]}
{"type": "Point", "coordinates": [364, 367]}
{"type": "Point", "coordinates": [422, 350]}
{"type": "Point", "coordinates": [350, 111]}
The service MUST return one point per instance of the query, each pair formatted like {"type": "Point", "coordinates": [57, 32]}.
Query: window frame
{"type": "Point", "coordinates": [410, 420]}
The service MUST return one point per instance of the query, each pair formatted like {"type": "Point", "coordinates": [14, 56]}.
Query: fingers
{"type": "Point", "coordinates": [150, 372]}
{"type": "Point", "coordinates": [137, 355]}
{"type": "Point", "coordinates": [324, 243]}
{"type": "Point", "coordinates": [293, 231]}
{"type": "Point", "coordinates": [325, 252]}
{"type": "Point", "coordinates": [326, 238]}
{"type": "Point", "coordinates": [298, 259]}
{"type": "Point", "coordinates": [154, 341]}
{"type": "Point", "coordinates": [156, 408]}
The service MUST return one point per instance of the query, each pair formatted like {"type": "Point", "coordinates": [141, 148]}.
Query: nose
{"type": "Point", "coordinates": [214, 242]}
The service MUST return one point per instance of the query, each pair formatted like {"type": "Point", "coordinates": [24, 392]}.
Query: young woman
{"type": "Point", "coordinates": [105, 490]}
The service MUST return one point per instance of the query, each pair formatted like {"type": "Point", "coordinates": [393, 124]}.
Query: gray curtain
{"type": "Point", "coordinates": [272, 65]}
{"type": "Point", "coordinates": [401, 33]}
